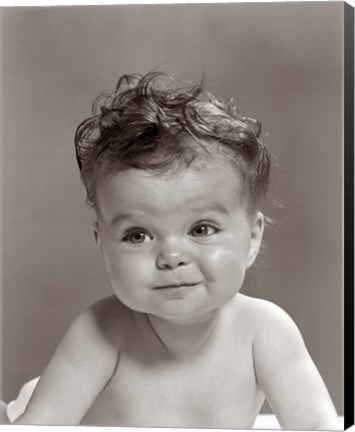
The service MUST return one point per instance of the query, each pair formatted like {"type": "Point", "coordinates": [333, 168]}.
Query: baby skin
{"type": "Point", "coordinates": [177, 345]}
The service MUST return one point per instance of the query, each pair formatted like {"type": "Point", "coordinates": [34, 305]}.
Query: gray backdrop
{"type": "Point", "coordinates": [283, 64]}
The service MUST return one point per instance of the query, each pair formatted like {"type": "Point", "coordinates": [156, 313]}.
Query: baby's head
{"type": "Point", "coordinates": [176, 178]}
{"type": "Point", "coordinates": [149, 123]}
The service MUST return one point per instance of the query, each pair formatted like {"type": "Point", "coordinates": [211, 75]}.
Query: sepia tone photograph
{"type": "Point", "coordinates": [172, 216]}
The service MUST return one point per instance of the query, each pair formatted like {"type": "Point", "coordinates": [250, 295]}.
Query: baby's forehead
{"type": "Point", "coordinates": [209, 185]}
{"type": "Point", "coordinates": [201, 171]}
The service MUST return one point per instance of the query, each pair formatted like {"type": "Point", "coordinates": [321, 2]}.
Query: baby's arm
{"type": "Point", "coordinates": [79, 369]}
{"type": "Point", "coordinates": [285, 371]}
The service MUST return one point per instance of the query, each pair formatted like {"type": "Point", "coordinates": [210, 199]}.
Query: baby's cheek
{"type": "Point", "coordinates": [125, 270]}
{"type": "Point", "coordinates": [130, 280]}
{"type": "Point", "coordinates": [224, 264]}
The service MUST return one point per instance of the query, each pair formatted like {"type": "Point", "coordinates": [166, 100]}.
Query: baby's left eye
{"type": "Point", "coordinates": [203, 230]}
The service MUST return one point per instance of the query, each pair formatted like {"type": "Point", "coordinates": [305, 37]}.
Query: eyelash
{"type": "Point", "coordinates": [132, 232]}
{"type": "Point", "coordinates": [207, 227]}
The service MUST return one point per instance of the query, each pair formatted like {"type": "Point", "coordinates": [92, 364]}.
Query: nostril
{"type": "Point", "coordinates": [173, 265]}
{"type": "Point", "coordinates": [170, 261]}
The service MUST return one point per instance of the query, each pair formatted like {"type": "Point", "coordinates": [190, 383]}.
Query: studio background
{"type": "Point", "coordinates": [283, 64]}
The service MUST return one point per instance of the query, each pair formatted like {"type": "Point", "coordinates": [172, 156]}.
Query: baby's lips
{"type": "Point", "coordinates": [176, 285]}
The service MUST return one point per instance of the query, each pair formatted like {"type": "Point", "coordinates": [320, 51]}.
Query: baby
{"type": "Point", "coordinates": [176, 179]}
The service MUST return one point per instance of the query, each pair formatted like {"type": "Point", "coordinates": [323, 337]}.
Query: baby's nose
{"type": "Point", "coordinates": [172, 258]}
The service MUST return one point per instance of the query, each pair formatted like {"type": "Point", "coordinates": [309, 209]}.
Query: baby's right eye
{"type": "Point", "coordinates": [136, 236]}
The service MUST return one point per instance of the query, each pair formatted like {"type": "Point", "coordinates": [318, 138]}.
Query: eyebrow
{"type": "Point", "coordinates": [216, 207]}
{"type": "Point", "coordinates": [120, 218]}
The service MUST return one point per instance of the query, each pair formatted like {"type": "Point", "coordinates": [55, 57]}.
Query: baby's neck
{"type": "Point", "coordinates": [186, 338]}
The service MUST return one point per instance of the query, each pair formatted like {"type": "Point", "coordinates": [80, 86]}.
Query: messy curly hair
{"type": "Point", "coordinates": [150, 123]}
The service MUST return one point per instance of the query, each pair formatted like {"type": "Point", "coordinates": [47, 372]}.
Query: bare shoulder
{"type": "Point", "coordinates": [266, 317]}
{"type": "Point", "coordinates": [258, 305]}
{"type": "Point", "coordinates": [272, 328]}
{"type": "Point", "coordinates": [277, 341]}
{"type": "Point", "coordinates": [105, 318]}
{"type": "Point", "coordinates": [107, 310]}
{"type": "Point", "coordinates": [83, 363]}
{"type": "Point", "coordinates": [285, 370]}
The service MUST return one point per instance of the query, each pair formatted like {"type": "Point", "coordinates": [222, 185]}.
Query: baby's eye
{"type": "Point", "coordinates": [203, 230]}
{"type": "Point", "coordinates": [136, 236]}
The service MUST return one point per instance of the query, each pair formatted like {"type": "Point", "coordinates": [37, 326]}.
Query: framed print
{"type": "Point", "coordinates": [177, 208]}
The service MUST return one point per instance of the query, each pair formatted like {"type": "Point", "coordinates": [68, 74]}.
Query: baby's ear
{"type": "Point", "coordinates": [257, 230]}
{"type": "Point", "coordinates": [96, 233]}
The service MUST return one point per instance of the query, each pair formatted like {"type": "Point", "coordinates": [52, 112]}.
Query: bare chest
{"type": "Point", "coordinates": [216, 389]}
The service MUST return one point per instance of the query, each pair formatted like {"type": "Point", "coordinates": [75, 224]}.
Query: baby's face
{"type": "Point", "coordinates": [176, 246]}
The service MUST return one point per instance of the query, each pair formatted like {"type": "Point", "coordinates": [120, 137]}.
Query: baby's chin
{"type": "Point", "coordinates": [183, 312]}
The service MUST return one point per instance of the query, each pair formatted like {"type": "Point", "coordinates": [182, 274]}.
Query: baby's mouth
{"type": "Point", "coordinates": [177, 285]}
